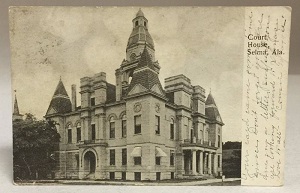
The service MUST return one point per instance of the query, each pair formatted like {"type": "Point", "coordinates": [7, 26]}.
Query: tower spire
{"type": "Point", "coordinates": [16, 113]}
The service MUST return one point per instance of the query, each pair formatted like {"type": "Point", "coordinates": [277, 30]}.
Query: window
{"type": "Point", "coordinates": [145, 24]}
{"type": "Point", "coordinates": [124, 131]}
{"type": "Point", "coordinates": [172, 129]}
{"type": "Point", "coordinates": [112, 175]}
{"type": "Point", "coordinates": [93, 101]}
{"type": "Point", "coordinates": [78, 131]}
{"type": "Point", "coordinates": [124, 157]}
{"type": "Point", "coordinates": [172, 158]}
{"type": "Point", "coordinates": [157, 161]}
{"type": "Point", "coordinates": [157, 175]}
{"type": "Point", "coordinates": [157, 127]}
{"type": "Point", "coordinates": [136, 23]}
{"type": "Point", "coordinates": [69, 135]}
{"type": "Point", "coordinates": [137, 160]}
{"type": "Point", "coordinates": [219, 161]}
{"type": "Point", "coordinates": [77, 160]}
{"type": "Point", "coordinates": [112, 128]}
{"type": "Point", "coordinates": [137, 176]}
{"type": "Point", "coordinates": [137, 124]}
{"type": "Point", "coordinates": [93, 132]}
{"type": "Point", "coordinates": [172, 176]}
{"type": "Point", "coordinates": [219, 140]}
{"type": "Point", "coordinates": [112, 160]}
{"type": "Point", "coordinates": [123, 175]}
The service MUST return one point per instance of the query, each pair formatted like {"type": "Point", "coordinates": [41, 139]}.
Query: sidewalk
{"type": "Point", "coordinates": [128, 183]}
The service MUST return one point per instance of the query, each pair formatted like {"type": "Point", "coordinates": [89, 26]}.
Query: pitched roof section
{"type": "Point", "coordinates": [211, 109]}
{"type": "Point", "coordinates": [60, 102]}
{"type": "Point", "coordinates": [144, 74]}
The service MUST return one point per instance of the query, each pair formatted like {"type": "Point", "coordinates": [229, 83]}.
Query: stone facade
{"type": "Point", "coordinates": [136, 129]}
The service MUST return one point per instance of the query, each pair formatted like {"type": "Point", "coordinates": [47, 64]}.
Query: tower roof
{"type": "Point", "coordinates": [211, 109]}
{"type": "Point", "coordinates": [16, 107]}
{"type": "Point", "coordinates": [60, 102]}
{"type": "Point", "coordinates": [140, 13]}
{"type": "Point", "coordinates": [145, 74]}
{"type": "Point", "coordinates": [210, 100]}
{"type": "Point", "coordinates": [140, 33]}
{"type": "Point", "coordinates": [145, 60]}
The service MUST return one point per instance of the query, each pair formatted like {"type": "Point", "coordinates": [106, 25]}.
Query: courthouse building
{"type": "Point", "coordinates": [135, 129]}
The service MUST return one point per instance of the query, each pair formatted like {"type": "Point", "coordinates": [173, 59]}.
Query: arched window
{"type": "Point", "coordinates": [112, 127]}
{"type": "Point", "coordinates": [124, 130]}
{"type": "Point", "coordinates": [136, 23]}
{"type": "Point", "coordinates": [172, 130]}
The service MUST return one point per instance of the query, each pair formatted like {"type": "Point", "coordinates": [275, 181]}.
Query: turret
{"type": "Point", "coordinates": [16, 114]}
{"type": "Point", "coordinates": [60, 102]}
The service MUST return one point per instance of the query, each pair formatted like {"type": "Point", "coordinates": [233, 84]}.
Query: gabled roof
{"type": "Point", "coordinates": [145, 74]}
{"type": "Point", "coordinates": [60, 102]}
{"type": "Point", "coordinates": [211, 109]}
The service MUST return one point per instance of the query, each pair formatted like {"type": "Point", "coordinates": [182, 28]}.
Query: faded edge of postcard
{"type": "Point", "coordinates": [266, 54]}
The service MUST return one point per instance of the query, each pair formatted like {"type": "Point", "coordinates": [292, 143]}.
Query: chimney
{"type": "Point", "coordinates": [74, 105]}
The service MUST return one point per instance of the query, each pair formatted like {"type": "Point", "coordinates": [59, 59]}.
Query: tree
{"type": "Point", "coordinates": [34, 143]}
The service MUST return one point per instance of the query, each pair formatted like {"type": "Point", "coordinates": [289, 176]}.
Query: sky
{"type": "Point", "coordinates": [205, 44]}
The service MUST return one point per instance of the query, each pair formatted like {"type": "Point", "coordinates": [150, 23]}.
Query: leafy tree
{"type": "Point", "coordinates": [232, 145]}
{"type": "Point", "coordinates": [34, 143]}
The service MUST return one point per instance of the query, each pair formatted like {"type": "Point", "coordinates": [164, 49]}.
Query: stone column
{"type": "Point", "coordinates": [215, 168]}
{"type": "Point", "coordinates": [205, 161]}
{"type": "Point", "coordinates": [194, 162]}
{"type": "Point", "coordinates": [183, 163]}
{"type": "Point", "coordinates": [209, 163]}
{"type": "Point", "coordinates": [201, 163]}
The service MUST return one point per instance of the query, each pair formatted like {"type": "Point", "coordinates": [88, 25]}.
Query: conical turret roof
{"type": "Point", "coordinates": [211, 109]}
{"type": "Point", "coordinates": [16, 107]}
{"type": "Point", "coordinates": [60, 102]}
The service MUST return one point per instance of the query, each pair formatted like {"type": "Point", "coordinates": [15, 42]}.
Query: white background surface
{"type": "Point", "coordinates": [292, 169]}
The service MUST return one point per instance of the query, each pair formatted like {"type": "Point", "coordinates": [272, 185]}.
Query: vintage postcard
{"type": "Point", "coordinates": [149, 95]}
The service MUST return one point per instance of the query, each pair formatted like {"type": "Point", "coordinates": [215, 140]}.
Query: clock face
{"type": "Point", "coordinates": [157, 107]}
{"type": "Point", "coordinates": [137, 107]}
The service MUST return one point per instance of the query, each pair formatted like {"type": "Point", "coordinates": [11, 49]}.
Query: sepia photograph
{"type": "Point", "coordinates": [127, 95]}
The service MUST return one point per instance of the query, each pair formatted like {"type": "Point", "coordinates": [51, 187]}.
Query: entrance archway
{"type": "Point", "coordinates": [89, 162]}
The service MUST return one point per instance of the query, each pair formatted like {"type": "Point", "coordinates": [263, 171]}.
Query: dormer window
{"type": "Point", "coordinates": [136, 23]}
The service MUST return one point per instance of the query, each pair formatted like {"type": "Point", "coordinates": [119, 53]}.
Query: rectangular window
{"type": "Point", "coordinates": [219, 140]}
{"type": "Point", "coordinates": [93, 101]}
{"type": "Point", "coordinates": [124, 132]}
{"type": "Point", "coordinates": [172, 131]}
{"type": "Point", "coordinates": [112, 175]}
{"type": "Point", "coordinates": [78, 130]}
{"type": "Point", "coordinates": [137, 124]}
{"type": "Point", "coordinates": [137, 176]}
{"type": "Point", "coordinates": [157, 161]}
{"type": "Point", "coordinates": [112, 158]}
{"type": "Point", "coordinates": [69, 135]}
{"type": "Point", "coordinates": [112, 130]}
{"type": "Point", "coordinates": [172, 176]}
{"type": "Point", "coordinates": [124, 157]}
{"type": "Point", "coordinates": [77, 160]}
{"type": "Point", "coordinates": [219, 161]}
{"type": "Point", "coordinates": [157, 175]}
{"type": "Point", "coordinates": [123, 175]}
{"type": "Point", "coordinates": [137, 160]}
{"type": "Point", "coordinates": [171, 158]}
{"type": "Point", "coordinates": [93, 132]}
{"type": "Point", "coordinates": [157, 125]}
